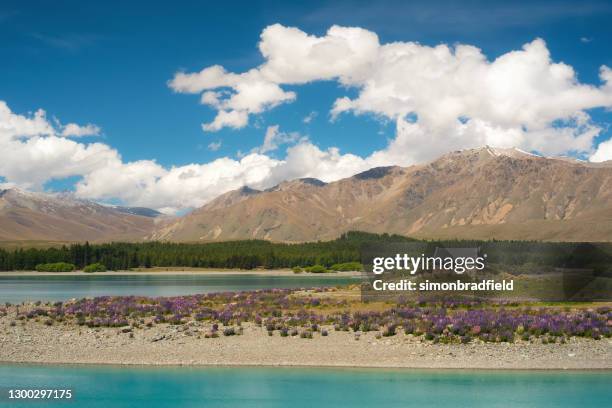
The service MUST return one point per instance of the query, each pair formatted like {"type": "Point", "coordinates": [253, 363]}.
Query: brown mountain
{"type": "Point", "coordinates": [61, 217]}
{"type": "Point", "coordinates": [479, 193]}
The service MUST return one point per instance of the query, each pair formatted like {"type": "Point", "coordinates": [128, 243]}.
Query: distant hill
{"type": "Point", "coordinates": [62, 217]}
{"type": "Point", "coordinates": [478, 193]}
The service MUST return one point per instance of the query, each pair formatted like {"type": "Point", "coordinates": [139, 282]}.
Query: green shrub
{"type": "Point", "coordinates": [306, 334]}
{"type": "Point", "coordinates": [316, 269]}
{"type": "Point", "coordinates": [296, 269]}
{"type": "Point", "coordinates": [346, 267]}
{"type": "Point", "coordinates": [55, 267]}
{"type": "Point", "coordinates": [95, 267]}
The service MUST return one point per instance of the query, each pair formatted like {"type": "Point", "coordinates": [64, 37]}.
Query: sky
{"type": "Point", "coordinates": [167, 105]}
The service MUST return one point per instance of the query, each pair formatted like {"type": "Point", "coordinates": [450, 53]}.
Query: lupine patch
{"type": "Point", "coordinates": [289, 312]}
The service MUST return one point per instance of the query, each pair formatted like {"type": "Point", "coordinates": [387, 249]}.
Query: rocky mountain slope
{"type": "Point", "coordinates": [479, 193]}
{"type": "Point", "coordinates": [62, 217]}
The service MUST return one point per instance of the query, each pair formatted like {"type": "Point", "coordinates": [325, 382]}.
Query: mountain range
{"type": "Point", "coordinates": [477, 193]}
{"type": "Point", "coordinates": [62, 217]}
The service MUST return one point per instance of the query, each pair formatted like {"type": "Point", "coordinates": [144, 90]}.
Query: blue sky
{"type": "Point", "coordinates": [109, 64]}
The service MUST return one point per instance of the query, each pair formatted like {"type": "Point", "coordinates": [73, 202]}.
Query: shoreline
{"type": "Point", "coordinates": [169, 345]}
{"type": "Point", "coordinates": [317, 367]}
{"type": "Point", "coordinates": [211, 272]}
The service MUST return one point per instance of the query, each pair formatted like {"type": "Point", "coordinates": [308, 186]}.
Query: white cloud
{"type": "Point", "coordinates": [208, 78]}
{"type": "Point", "coordinates": [308, 160]}
{"type": "Point", "coordinates": [214, 146]}
{"type": "Point", "coordinates": [145, 183]}
{"type": "Point", "coordinates": [74, 130]}
{"type": "Point", "coordinates": [274, 138]}
{"type": "Point", "coordinates": [12, 126]}
{"type": "Point", "coordinates": [292, 56]}
{"type": "Point", "coordinates": [233, 119]}
{"type": "Point", "coordinates": [33, 150]}
{"type": "Point", "coordinates": [603, 152]}
{"type": "Point", "coordinates": [460, 99]}
{"type": "Point", "coordinates": [251, 95]}
{"type": "Point", "coordinates": [454, 95]}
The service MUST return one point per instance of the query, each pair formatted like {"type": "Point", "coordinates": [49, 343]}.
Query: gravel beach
{"type": "Point", "coordinates": [35, 342]}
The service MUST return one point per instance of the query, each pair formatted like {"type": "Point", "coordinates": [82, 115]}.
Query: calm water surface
{"type": "Point", "coordinates": [15, 289]}
{"type": "Point", "coordinates": [95, 386]}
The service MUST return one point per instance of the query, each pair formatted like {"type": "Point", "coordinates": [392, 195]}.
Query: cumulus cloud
{"type": "Point", "coordinates": [146, 183]}
{"type": "Point", "coordinates": [33, 150]}
{"type": "Point", "coordinates": [13, 126]}
{"type": "Point", "coordinates": [251, 95]}
{"type": "Point", "coordinates": [451, 95]}
{"type": "Point", "coordinates": [460, 98]}
{"type": "Point", "coordinates": [603, 152]}
{"type": "Point", "coordinates": [233, 119]}
{"type": "Point", "coordinates": [308, 160]}
{"type": "Point", "coordinates": [74, 130]}
{"type": "Point", "coordinates": [292, 57]}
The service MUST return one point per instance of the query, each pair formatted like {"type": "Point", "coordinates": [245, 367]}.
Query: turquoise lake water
{"type": "Point", "coordinates": [115, 387]}
{"type": "Point", "coordinates": [52, 288]}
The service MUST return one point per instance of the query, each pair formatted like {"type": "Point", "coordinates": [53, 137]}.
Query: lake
{"type": "Point", "coordinates": [108, 386]}
{"type": "Point", "coordinates": [16, 289]}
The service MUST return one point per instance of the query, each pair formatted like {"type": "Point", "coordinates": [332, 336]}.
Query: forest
{"type": "Point", "coordinates": [250, 254]}
{"type": "Point", "coordinates": [246, 254]}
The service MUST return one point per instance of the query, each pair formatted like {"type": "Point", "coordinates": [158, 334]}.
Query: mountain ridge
{"type": "Point", "coordinates": [473, 193]}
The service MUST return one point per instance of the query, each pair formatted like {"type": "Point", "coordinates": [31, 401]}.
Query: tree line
{"type": "Point", "coordinates": [249, 254]}
{"type": "Point", "coordinates": [246, 254]}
